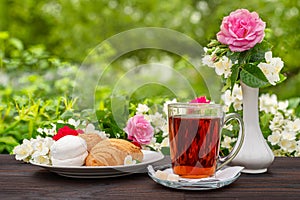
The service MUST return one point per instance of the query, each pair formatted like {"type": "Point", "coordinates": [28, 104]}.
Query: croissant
{"type": "Point", "coordinates": [112, 152]}
{"type": "Point", "coordinates": [91, 139]}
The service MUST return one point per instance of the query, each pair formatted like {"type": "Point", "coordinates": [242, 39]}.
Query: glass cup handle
{"type": "Point", "coordinates": [226, 159]}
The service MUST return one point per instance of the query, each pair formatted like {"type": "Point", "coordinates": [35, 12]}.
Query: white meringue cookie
{"type": "Point", "coordinates": [77, 161]}
{"type": "Point", "coordinates": [69, 150]}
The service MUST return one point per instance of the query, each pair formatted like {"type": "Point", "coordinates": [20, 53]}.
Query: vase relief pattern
{"type": "Point", "coordinates": [255, 154]}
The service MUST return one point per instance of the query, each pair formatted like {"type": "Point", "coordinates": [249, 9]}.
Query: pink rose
{"type": "Point", "coordinates": [241, 30]}
{"type": "Point", "coordinates": [139, 130]}
{"type": "Point", "coordinates": [201, 99]}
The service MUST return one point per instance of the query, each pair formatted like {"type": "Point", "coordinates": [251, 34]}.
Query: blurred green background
{"type": "Point", "coordinates": [43, 42]}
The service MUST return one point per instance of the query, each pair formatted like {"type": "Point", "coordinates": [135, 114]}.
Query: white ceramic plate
{"type": "Point", "coordinates": [150, 157]}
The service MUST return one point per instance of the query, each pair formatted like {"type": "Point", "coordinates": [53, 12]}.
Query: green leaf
{"type": "Point", "coordinates": [227, 132]}
{"type": "Point", "coordinates": [67, 115]}
{"type": "Point", "coordinates": [226, 86]}
{"type": "Point", "coordinates": [16, 43]}
{"type": "Point", "coordinates": [165, 150]}
{"type": "Point", "coordinates": [234, 74]}
{"type": "Point", "coordinates": [282, 78]}
{"type": "Point", "coordinates": [294, 102]}
{"type": "Point", "coordinates": [4, 35]}
{"type": "Point", "coordinates": [253, 76]}
{"type": "Point", "coordinates": [9, 140]}
{"type": "Point", "coordinates": [265, 121]}
{"type": "Point", "coordinates": [297, 111]}
{"type": "Point", "coordinates": [2, 147]}
{"type": "Point", "coordinates": [61, 125]}
{"type": "Point", "coordinates": [259, 50]}
{"type": "Point", "coordinates": [234, 56]}
{"type": "Point", "coordinates": [244, 57]}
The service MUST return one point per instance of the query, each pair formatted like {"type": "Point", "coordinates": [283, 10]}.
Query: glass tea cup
{"type": "Point", "coordinates": [195, 134]}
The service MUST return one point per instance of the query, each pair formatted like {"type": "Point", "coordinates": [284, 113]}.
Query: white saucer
{"type": "Point", "coordinates": [222, 178]}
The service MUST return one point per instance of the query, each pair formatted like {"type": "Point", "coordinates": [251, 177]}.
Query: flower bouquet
{"type": "Point", "coordinates": [241, 52]}
{"type": "Point", "coordinates": [243, 58]}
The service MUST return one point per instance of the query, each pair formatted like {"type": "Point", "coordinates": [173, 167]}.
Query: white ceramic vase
{"type": "Point", "coordinates": [255, 154]}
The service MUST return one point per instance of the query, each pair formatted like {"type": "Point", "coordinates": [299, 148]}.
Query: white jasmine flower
{"type": "Point", "coordinates": [288, 135]}
{"type": "Point", "coordinates": [157, 146]}
{"type": "Point", "coordinates": [208, 60]}
{"type": "Point", "coordinates": [165, 142]}
{"type": "Point", "coordinates": [60, 121]}
{"type": "Point", "coordinates": [46, 131]}
{"type": "Point", "coordinates": [153, 143]}
{"type": "Point", "coordinates": [228, 127]}
{"type": "Point", "coordinates": [90, 128]}
{"type": "Point", "coordinates": [23, 151]}
{"type": "Point", "coordinates": [268, 103]}
{"type": "Point", "coordinates": [227, 98]}
{"type": "Point", "coordinates": [238, 105]}
{"type": "Point", "coordinates": [41, 159]}
{"type": "Point", "coordinates": [158, 121]}
{"type": "Point", "coordinates": [128, 160]}
{"type": "Point", "coordinates": [40, 130]}
{"type": "Point", "coordinates": [268, 72]}
{"type": "Point", "coordinates": [34, 149]}
{"type": "Point", "coordinates": [147, 117]}
{"type": "Point", "coordinates": [277, 122]}
{"type": "Point", "coordinates": [156, 118]}
{"type": "Point", "coordinates": [293, 125]}
{"type": "Point", "coordinates": [288, 145]}
{"type": "Point", "coordinates": [234, 98]}
{"type": "Point", "coordinates": [39, 148]}
{"type": "Point", "coordinates": [283, 105]}
{"type": "Point", "coordinates": [52, 131]}
{"type": "Point", "coordinates": [274, 138]}
{"type": "Point", "coordinates": [237, 92]}
{"type": "Point", "coordinates": [227, 141]}
{"type": "Point", "coordinates": [48, 142]}
{"type": "Point", "coordinates": [142, 108]}
{"type": "Point", "coordinates": [165, 108]}
{"type": "Point", "coordinates": [223, 66]}
{"type": "Point", "coordinates": [271, 68]}
{"type": "Point", "coordinates": [289, 112]}
{"type": "Point", "coordinates": [278, 152]}
{"type": "Point", "coordinates": [73, 122]}
{"type": "Point", "coordinates": [165, 130]}
{"type": "Point", "coordinates": [237, 96]}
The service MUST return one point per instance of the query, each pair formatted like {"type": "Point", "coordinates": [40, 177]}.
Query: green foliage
{"type": "Point", "coordinates": [27, 98]}
{"type": "Point", "coordinates": [37, 37]}
{"type": "Point", "coordinates": [70, 29]}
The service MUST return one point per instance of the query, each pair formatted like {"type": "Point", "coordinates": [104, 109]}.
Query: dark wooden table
{"type": "Point", "coordinates": [23, 181]}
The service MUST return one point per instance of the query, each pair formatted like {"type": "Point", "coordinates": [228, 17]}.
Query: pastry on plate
{"type": "Point", "coordinates": [112, 152]}
{"type": "Point", "coordinates": [91, 139]}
